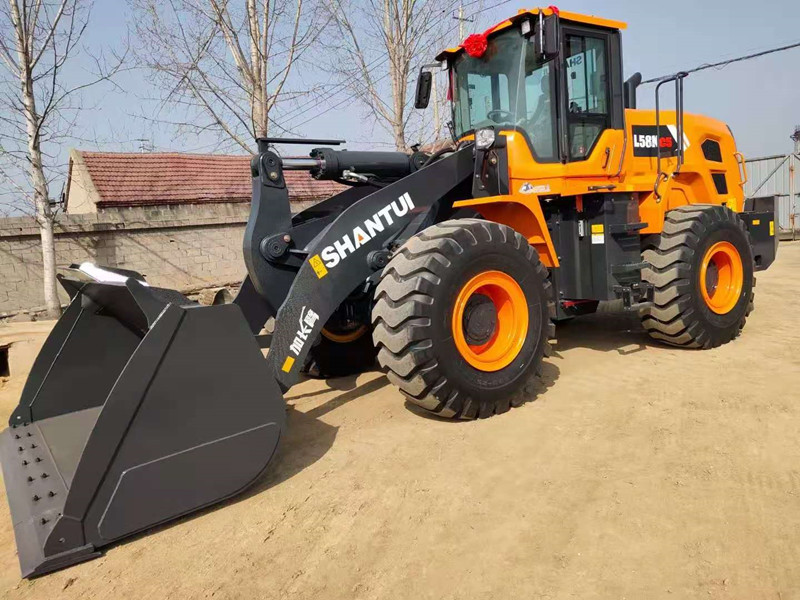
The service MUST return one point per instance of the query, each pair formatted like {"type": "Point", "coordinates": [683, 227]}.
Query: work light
{"type": "Point", "coordinates": [484, 138]}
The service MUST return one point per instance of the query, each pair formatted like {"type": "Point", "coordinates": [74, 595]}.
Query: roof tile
{"type": "Point", "coordinates": [124, 179]}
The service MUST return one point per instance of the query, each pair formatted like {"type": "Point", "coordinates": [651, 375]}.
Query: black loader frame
{"type": "Point", "coordinates": [176, 407]}
{"type": "Point", "coordinates": [283, 254]}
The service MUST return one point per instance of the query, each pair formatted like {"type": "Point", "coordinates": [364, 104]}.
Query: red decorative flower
{"type": "Point", "coordinates": [475, 45]}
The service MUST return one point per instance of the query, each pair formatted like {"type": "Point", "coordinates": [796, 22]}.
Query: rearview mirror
{"type": "Point", "coordinates": [424, 85]}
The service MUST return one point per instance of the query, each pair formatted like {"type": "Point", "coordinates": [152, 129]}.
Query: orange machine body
{"type": "Point", "coordinates": [614, 165]}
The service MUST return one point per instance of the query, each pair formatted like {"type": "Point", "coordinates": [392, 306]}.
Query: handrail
{"type": "Point", "coordinates": [742, 168]}
{"type": "Point", "coordinates": [678, 79]}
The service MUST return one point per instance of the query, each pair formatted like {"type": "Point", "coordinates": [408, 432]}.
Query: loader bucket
{"type": "Point", "coordinates": [142, 406]}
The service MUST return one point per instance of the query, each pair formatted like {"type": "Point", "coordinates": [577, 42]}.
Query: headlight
{"type": "Point", "coordinates": [484, 138]}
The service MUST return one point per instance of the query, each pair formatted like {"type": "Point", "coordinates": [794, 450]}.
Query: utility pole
{"type": "Point", "coordinates": [145, 145]}
{"type": "Point", "coordinates": [461, 20]}
{"type": "Point", "coordinates": [792, 195]}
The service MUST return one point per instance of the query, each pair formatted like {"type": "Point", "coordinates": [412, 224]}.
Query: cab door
{"type": "Point", "coordinates": [592, 114]}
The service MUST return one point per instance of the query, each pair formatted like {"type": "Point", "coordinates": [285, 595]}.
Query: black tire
{"type": "Point", "coordinates": [680, 316]}
{"type": "Point", "coordinates": [328, 358]}
{"type": "Point", "coordinates": [344, 346]}
{"type": "Point", "coordinates": [414, 309]}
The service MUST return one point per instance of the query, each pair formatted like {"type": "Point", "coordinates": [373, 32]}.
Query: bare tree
{"type": "Point", "coordinates": [40, 104]}
{"type": "Point", "coordinates": [378, 48]}
{"type": "Point", "coordinates": [228, 66]}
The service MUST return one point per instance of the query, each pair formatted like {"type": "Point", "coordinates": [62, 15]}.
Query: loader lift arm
{"type": "Point", "coordinates": [307, 267]}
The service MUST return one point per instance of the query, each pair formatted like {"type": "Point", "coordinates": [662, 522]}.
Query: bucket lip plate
{"type": "Point", "coordinates": [27, 514]}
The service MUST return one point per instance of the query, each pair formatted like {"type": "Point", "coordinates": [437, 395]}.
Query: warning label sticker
{"type": "Point", "coordinates": [318, 266]}
{"type": "Point", "coordinates": [598, 235]}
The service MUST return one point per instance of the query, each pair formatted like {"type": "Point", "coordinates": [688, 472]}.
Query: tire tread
{"type": "Point", "coordinates": [671, 318]}
{"type": "Point", "coordinates": [404, 302]}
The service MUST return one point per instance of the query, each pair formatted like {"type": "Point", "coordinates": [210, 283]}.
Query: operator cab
{"type": "Point", "coordinates": [554, 77]}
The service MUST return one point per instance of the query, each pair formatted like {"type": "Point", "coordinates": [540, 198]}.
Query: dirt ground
{"type": "Point", "coordinates": [640, 471]}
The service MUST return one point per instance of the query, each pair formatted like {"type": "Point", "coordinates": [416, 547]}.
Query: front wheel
{"type": "Point", "coordinates": [462, 318]}
{"type": "Point", "coordinates": [344, 346]}
{"type": "Point", "coordinates": [702, 268]}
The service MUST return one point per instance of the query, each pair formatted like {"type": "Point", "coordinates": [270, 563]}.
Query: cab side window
{"type": "Point", "coordinates": [539, 121]}
{"type": "Point", "coordinates": [587, 92]}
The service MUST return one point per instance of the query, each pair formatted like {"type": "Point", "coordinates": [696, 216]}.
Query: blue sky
{"type": "Point", "coordinates": [759, 99]}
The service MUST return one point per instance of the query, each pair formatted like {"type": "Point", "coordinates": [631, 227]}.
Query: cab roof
{"type": "Point", "coordinates": [563, 15]}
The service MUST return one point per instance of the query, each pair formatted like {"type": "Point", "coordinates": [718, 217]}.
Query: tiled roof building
{"type": "Point", "coordinates": [99, 180]}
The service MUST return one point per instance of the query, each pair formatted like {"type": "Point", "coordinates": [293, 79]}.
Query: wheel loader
{"type": "Point", "coordinates": [556, 194]}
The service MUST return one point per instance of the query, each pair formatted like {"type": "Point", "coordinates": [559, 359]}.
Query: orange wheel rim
{"type": "Point", "coordinates": [511, 325]}
{"type": "Point", "coordinates": [344, 338]}
{"type": "Point", "coordinates": [721, 277]}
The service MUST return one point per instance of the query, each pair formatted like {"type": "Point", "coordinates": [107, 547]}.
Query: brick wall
{"type": "Point", "coordinates": [181, 247]}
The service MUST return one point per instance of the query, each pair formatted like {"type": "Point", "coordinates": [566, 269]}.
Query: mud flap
{"type": "Point", "coordinates": [141, 407]}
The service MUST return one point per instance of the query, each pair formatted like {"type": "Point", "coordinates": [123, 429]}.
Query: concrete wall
{"type": "Point", "coordinates": [81, 192]}
{"type": "Point", "coordinates": [181, 247]}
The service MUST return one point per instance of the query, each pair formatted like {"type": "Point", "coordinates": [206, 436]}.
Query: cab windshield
{"type": "Point", "coordinates": [507, 87]}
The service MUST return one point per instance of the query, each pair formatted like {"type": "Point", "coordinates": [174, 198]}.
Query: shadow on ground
{"type": "Point", "coordinates": [605, 331]}
{"type": "Point", "coordinates": [342, 384]}
{"type": "Point", "coordinates": [610, 329]}
{"type": "Point", "coordinates": [306, 440]}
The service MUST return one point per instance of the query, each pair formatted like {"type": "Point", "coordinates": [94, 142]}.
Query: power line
{"type": "Point", "coordinates": [337, 88]}
{"type": "Point", "coordinates": [725, 63]}
{"type": "Point", "coordinates": [373, 66]}
{"type": "Point", "coordinates": [385, 75]}
{"type": "Point", "coordinates": [333, 91]}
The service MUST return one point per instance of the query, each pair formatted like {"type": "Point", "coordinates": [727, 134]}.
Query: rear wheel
{"type": "Point", "coordinates": [462, 318]}
{"type": "Point", "coordinates": [702, 269]}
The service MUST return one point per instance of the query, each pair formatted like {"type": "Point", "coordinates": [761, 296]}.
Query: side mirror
{"type": "Point", "coordinates": [424, 85]}
{"type": "Point", "coordinates": [546, 37]}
